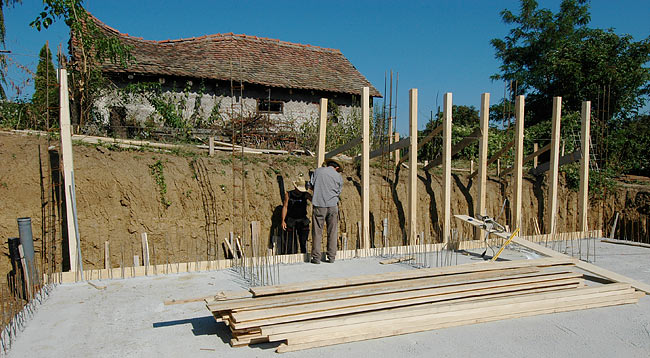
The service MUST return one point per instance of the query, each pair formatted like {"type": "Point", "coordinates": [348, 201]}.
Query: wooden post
{"type": "Point", "coordinates": [365, 166]}
{"type": "Point", "coordinates": [107, 256]}
{"type": "Point", "coordinates": [498, 167]}
{"type": "Point", "coordinates": [471, 166]}
{"type": "Point", "coordinates": [211, 146]}
{"type": "Point", "coordinates": [518, 165]}
{"type": "Point", "coordinates": [322, 131]}
{"type": "Point", "coordinates": [413, 165]}
{"type": "Point", "coordinates": [535, 149]}
{"type": "Point", "coordinates": [482, 158]}
{"type": "Point", "coordinates": [68, 165]}
{"type": "Point", "coordinates": [583, 196]}
{"type": "Point", "coordinates": [145, 252]}
{"type": "Point", "coordinates": [26, 272]}
{"type": "Point", "coordinates": [554, 169]}
{"type": "Point", "coordinates": [397, 152]}
{"type": "Point", "coordinates": [446, 164]}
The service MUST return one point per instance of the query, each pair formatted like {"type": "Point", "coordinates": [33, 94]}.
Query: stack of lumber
{"type": "Point", "coordinates": [320, 313]}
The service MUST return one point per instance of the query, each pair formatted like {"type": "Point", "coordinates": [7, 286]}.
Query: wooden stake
{"type": "Point", "coordinates": [413, 165]}
{"type": "Point", "coordinates": [365, 166]}
{"type": "Point", "coordinates": [555, 158]}
{"type": "Point", "coordinates": [583, 195]}
{"type": "Point", "coordinates": [518, 165]}
{"type": "Point", "coordinates": [322, 132]}
{"type": "Point", "coordinates": [535, 149]}
{"type": "Point", "coordinates": [145, 252]}
{"type": "Point", "coordinates": [68, 165]}
{"type": "Point", "coordinates": [482, 159]}
{"type": "Point", "coordinates": [446, 153]}
{"type": "Point", "coordinates": [397, 154]}
{"type": "Point", "coordinates": [211, 146]}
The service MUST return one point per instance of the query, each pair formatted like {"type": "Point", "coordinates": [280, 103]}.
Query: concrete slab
{"type": "Point", "coordinates": [129, 319]}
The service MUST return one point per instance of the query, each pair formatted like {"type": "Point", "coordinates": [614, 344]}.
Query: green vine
{"type": "Point", "coordinates": [159, 177]}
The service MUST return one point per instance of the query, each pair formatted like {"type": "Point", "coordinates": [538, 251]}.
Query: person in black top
{"type": "Point", "coordinates": [294, 218]}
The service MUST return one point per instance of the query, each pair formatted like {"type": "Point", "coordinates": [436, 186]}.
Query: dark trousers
{"type": "Point", "coordinates": [297, 234]}
{"type": "Point", "coordinates": [320, 217]}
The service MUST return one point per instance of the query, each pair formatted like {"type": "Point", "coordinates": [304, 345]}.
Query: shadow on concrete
{"type": "Point", "coordinates": [201, 326]}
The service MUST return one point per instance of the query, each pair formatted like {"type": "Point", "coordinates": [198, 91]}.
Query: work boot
{"type": "Point", "coordinates": [329, 260]}
{"type": "Point", "coordinates": [314, 261]}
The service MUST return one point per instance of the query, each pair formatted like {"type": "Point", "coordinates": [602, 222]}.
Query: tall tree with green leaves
{"type": "Point", "coordinates": [556, 54]}
{"type": "Point", "coordinates": [45, 100]}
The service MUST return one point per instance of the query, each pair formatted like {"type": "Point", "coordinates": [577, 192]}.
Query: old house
{"type": "Point", "coordinates": [205, 81]}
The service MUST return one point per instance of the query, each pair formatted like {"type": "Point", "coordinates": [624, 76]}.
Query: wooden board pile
{"type": "Point", "coordinates": [334, 311]}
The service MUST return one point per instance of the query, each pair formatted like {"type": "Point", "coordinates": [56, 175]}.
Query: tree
{"type": "Point", "coordinates": [90, 47]}
{"type": "Point", "coordinates": [556, 54]}
{"type": "Point", "coordinates": [46, 92]}
{"type": "Point", "coordinates": [549, 55]}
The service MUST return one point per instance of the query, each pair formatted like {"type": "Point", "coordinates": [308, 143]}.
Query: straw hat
{"type": "Point", "coordinates": [299, 185]}
{"type": "Point", "coordinates": [335, 162]}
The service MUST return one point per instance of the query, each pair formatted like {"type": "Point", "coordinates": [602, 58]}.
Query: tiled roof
{"type": "Point", "coordinates": [264, 61]}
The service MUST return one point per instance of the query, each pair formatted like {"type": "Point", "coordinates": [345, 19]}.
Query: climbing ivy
{"type": "Point", "coordinates": [157, 172]}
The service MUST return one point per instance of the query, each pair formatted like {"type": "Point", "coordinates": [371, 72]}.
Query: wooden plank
{"type": "Point", "coordinates": [564, 160]}
{"type": "Point", "coordinates": [247, 319]}
{"type": "Point", "coordinates": [401, 144]}
{"type": "Point", "coordinates": [583, 194]}
{"type": "Point", "coordinates": [454, 314]}
{"type": "Point", "coordinates": [482, 160]}
{"type": "Point", "coordinates": [554, 166]}
{"type": "Point", "coordinates": [625, 242]}
{"type": "Point", "coordinates": [322, 132]}
{"type": "Point", "coordinates": [382, 315]}
{"type": "Point", "coordinates": [359, 290]}
{"type": "Point", "coordinates": [68, 164]}
{"type": "Point", "coordinates": [413, 167]}
{"type": "Point", "coordinates": [518, 165]}
{"type": "Point", "coordinates": [533, 156]}
{"type": "Point", "coordinates": [424, 141]}
{"type": "Point", "coordinates": [459, 311]}
{"type": "Point", "coordinates": [610, 275]}
{"type": "Point", "coordinates": [473, 137]}
{"type": "Point", "coordinates": [345, 147]}
{"type": "Point", "coordinates": [395, 140]}
{"type": "Point", "coordinates": [365, 167]}
{"type": "Point", "coordinates": [379, 331]}
{"type": "Point", "coordinates": [402, 275]}
{"type": "Point", "coordinates": [496, 156]}
{"type": "Point", "coordinates": [446, 167]}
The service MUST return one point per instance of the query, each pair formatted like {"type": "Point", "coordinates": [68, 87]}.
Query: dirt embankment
{"type": "Point", "coordinates": [185, 202]}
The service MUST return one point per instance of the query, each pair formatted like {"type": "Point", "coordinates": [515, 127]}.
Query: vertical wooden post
{"type": "Point", "coordinates": [554, 169]}
{"type": "Point", "coordinates": [446, 164]}
{"type": "Point", "coordinates": [211, 146]}
{"type": "Point", "coordinates": [519, 157]}
{"type": "Point", "coordinates": [365, 166]}
{"type": "Point", "coordinates": [397, 151]}
{"type": "Point", "coordinates": [413, 165]}
{"type": "Point", "coordinates": [107, 256]}
{"type": "Point", "coordinates": [535, 148]}
{"type": "Point", "coordinates": [498, 167]}
{"type": "Point", "coordinates": [322, 131]}
{"type": "Point", "coordinates": [583, 196]}
{"type": "Point", "coordinates": [145, 252]}
{"type": "Point", "coordinates": [68, 165]}
{"type": "Point", "coordinates": [482, 158]}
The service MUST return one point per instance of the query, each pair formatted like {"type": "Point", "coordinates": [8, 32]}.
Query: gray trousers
{"type": "Point", "coordinates": [320, 216]}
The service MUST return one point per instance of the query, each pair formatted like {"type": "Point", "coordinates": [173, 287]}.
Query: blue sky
{"type": "Point", "coordinates": [436, 46]}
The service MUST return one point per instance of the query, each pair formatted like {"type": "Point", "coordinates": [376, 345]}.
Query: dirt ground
{"type": "Point", "coordinates": [120, 195]}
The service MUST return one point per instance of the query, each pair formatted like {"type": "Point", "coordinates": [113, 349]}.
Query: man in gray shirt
{"type": "Point", "coordinates": [327, 184]}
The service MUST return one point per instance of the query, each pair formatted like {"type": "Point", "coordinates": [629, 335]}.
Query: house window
{"type": "Point", "coordinates": [269, 106]}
